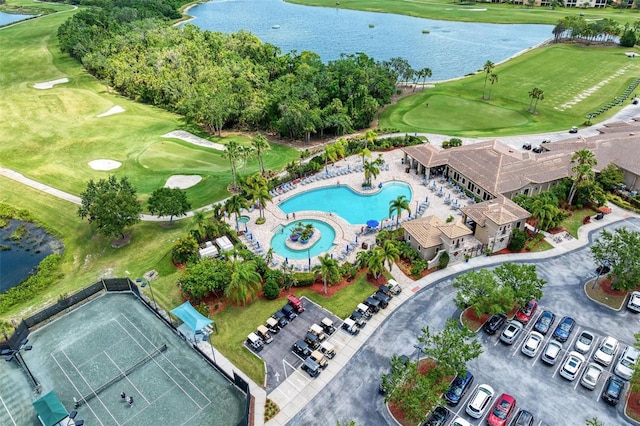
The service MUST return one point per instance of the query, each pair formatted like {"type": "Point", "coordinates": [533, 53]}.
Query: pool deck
{"type": "Point", "coordinates": [346, 233]}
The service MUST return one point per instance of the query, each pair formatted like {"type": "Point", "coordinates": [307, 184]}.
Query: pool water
{"type": "Point", "coordinates": [342, 201]}
{"type": "Point", "coordinates": [324, 244]}
{"type": "Point", "coordinates": [243, 219]}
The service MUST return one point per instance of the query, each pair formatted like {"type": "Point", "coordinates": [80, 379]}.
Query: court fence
{"type": "Point", "coordinates": [66, 304]}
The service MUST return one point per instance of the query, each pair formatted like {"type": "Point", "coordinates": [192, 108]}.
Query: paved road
{"type": "Point", "coordinates": [551, 398]}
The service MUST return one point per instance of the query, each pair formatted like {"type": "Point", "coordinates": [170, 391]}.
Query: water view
{"type": "Point", "coordinates": [9, 18]}
{"type": "Point", "coordinates": [450, 49]}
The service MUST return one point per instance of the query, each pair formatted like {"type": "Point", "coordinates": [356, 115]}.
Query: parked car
{"type": "Point", "coordinates": [272, 325]}
{"type": "Point", "coordinates": [289, 312]}
{"type": "Point", "coordinates": [319, 358]}
{"type": "Point", "coordinates": [458, 388]}
{"type": "Point", "coordinates": [350, 326]}
{"type": "Point", "coordinates": [301, 349]}
{"type": "Point", "coordinates": [327, 326]}
{"type": "Point", "coordinates": [311, 367]}
{"type": "Point", "coordinates": [255, 342]}
{"type": "Point", "coordinates": [563, 329]}
{"type": "Point", "coordinates": [364, 310]}
{"type": "Point", "coordinates": [263, 333]}
{"type": "Point", "coordinates": [511, 332]}
{"type": "Point", "coordinates": [382, 298]}
{"type": "Point", "coordinates": [627, 362]}
{"type": "Point", "coordinates": [551, 352]}
{"type": "Point", "coordinates": [503, 409]}
{"type": "Point", "coordinates": [584, 342]}
{"type": "Point", "coordinates": [634, 301]}
{"type": "Point", "coordinates": [574, 129]}
{"type": "Point", "coordinates": [607, 351]}
{"type": "Point", "coordinates": [546, 140]}
{"type": "Point", "coordinates": [328, 349]}
{"type": "Point", "coordinates": [544, 322]}
{"type": "Point", "coordinates": [402, 363]}
{"type": "Point", "coordinates": [494, 323]}
{"type": "Point", "coordinates": [459, 421]}
{"type": "Point", "coordinates": [532, 344]}
{"type": "Point", "coordinates": [527, 146]}
{"type": "Point", "coordinates": [282, 320]}
{"type": "Point", "coordinates": [358, 318]}
{"type": "Point", "coordinates": [373, 304]}
{"type": "Point", "coordinates": [295, 303]}
{"type": "Point", "coordinates": [572, 364]}
{"type": "Point", "coordinates": [318, 331]}
{"type": "Point", "coordinates": [312, 340]}
{"type": "Point", "coordinates": [613, 389]}
{"type": "Point", "coordinates": [591, 375]}
{"type": "Point", "coordinates": [479, 401]}
{"type": "Point", "coordinates": [525, 313]}
{"type": "Point", "coordinates": [537, 149]}
{"type": "Point", "coordinates": [524, 418]}
{"type": "Point", "coordinates": [394, 287]}
{"type": "Point", "coordinates": [438, 417]}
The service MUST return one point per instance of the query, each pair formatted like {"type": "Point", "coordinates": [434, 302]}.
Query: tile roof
{"type": "Point", "coordinates": [500, 211]}
{"type": "Point", "coordinates": [428, 230]}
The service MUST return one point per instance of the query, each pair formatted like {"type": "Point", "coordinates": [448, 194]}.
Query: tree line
{"type": "Point", "coordinates": [219, 81]}
{"type": "Point", "coordinates": [603, 30]}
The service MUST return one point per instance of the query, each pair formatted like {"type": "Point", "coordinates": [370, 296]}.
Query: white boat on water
{"type": "Point", "coordinates": [275, 27]}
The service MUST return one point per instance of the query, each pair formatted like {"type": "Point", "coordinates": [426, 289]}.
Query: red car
{"type": "Point", "coordinates": [504, 408]}
{"type": "Point", "coordinates": [525, 313]}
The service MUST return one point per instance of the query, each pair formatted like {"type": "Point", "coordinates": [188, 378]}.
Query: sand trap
{"type": "Point", "coordinates": [114, 110]}
{"type": "Point", "coordinates": [182, 181]}
{"type": "Point", "coordinates": [191, 138]}
{"type": "Point", "coordinates": [104, 164]}
{"type": "Point", "coordinates": [50, 84]}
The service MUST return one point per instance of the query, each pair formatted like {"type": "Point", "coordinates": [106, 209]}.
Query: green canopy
{"type": "Point", "coordinates": [50, 409]}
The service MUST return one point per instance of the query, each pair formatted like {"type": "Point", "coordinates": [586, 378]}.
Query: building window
{"type": "Point", "coordinates": [518, 225]}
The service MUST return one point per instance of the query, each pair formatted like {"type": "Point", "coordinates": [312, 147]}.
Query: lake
{"type": "Point", "coordinates": [8, 18]}
{"type": "Point", "coordinates": [19, 258]}
{"type": "Point", "coordinates": [451, 49]}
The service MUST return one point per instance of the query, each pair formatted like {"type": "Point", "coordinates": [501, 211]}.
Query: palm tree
{"type": "Point", "coordinates": [397, 206]}
{"type": "Point", "coordinates": [371, 170]}
{"type": "Point", "coordinates": [330, 154]}
{"type": "Point", "coordinates": [391, 253]}
{"type": "Point", "coordinates": [244, 283]}
{"type": "Point", "coordinates": [425, 73]}
{"type": "Point", "coordinates": [246, 152]}
{"type": "Point", "coordinates": [328, 268]}
{"type": "Point", "coordinates": [487, 67]}
{"type": "Point", "coordinates": [532, 94]}
{"type": "Point", "coordinates": [539, 97]}
{"type": "Point", "coordinates": [362, 258]}
{"type": "Point", "coordinates": [199, 219]}
{"type": "Point", "coordinates": [544, 213]}
{"type": "Point", "coordinates": [584, 161]}
{"type": "Point", "coordinates": [493, 78]}
{"type": "Point", "coordinates": [232, 153]}
{"type": "Point", "coordinates": [258, 190]}
{"type": "Point", "coordinates": [369, 137]}
{"type": "Point", "coordinates": [376, 262]}
{"type": "Point", "coordinates": [260, 145]}
{"type": "Point", "coordinates": [235, 204]}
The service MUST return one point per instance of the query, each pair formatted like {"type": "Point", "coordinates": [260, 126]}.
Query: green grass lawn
{"type": "Point", "coordinates": [457, 108]}
{"type": "Point", "coordinates": [574, 222]}
{"type": "Point", "coordinates": [477, 12]}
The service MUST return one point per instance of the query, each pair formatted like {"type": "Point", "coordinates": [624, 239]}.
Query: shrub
{"type": "Point", "coordinates": [518, 240]}
{"type": "Point", "coordinates": [271, 289]}
{"type": "Point", "coordinates": [304, 279]}
{"type": "Point", "coordinates": [444, 260]}
{"type": "Point", "coordinates": [418, 266]}
{"type": "Point", "coordinates": [185, 250]}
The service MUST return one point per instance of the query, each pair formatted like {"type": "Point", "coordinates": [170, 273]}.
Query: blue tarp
{"type": "Point", "coordinates": [50, 409]}
{"type": "Point", "coordinates": [192, 318]}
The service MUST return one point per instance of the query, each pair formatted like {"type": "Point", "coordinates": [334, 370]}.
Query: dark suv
{"type": "Point", "coordinates": [458, 388]}
{"type": "Point", "coordinates": [438, 417]}
{"type": "Point", "coordinates": [494, 323]}
{"type": "Point", "coordinates": [301, 349]}
{"type": "Point", "coordinates": [613, 390]}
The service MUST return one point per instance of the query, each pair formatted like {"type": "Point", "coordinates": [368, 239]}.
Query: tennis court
{"type": "Point", "coordinates": [114, 344]}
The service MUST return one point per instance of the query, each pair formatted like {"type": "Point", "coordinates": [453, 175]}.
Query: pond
{"type": "Point", "coordinates": [22, 247]}
{"type": "Point", "coordinates": [450, 49]}
{"type": "Point", "coordinates": [9, 18]}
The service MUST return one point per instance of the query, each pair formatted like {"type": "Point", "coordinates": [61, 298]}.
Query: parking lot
{"type": "Point", "coordinates": [279, 360]}
{"type": "Point", "coordinates": [536, 386]}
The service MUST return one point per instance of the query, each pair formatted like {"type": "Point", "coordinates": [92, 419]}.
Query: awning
{"type": "Point", "coordinates": [372, 223]}
{"type": "Point", "coordinates": [192, 318]}
{"type": "Point", "coordinates": [50, 410]}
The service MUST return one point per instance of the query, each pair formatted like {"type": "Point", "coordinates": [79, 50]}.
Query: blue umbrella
{"type": "Point", "coordinates": [286, 260]}
{"type": "Point", "coordinates": [372, 223]}
{"type": "Point", "coordinates": [356, 238]}
{"type": "Point", "coordinates": [347, 247]}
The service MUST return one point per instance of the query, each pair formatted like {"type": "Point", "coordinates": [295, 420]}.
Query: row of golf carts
{"type": "Point", "coordinates": [371, 305]}
{"type": "Point", "coordinates": [314, 349]}
{"type": "Point", "coordinates": [264, 333]}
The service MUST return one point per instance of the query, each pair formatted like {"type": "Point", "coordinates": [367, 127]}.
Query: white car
{"type": "Point", "coordinates": [479, 401]}
{"type": "Point", "coordinates": [584, 342]}
{"type": "Point", "coordinates": [627, 363]}
{"type": "Point", "coordinates": [460, 422]}
{"type": "Point", "coordinates": [607, 350]}
{"type": "Point", "coordinates": [511, 332]}
{"type": "Point", "coordinates": [591, 375]}
{"type": "Point", "coordinates": [551, 352]}
{"type": "Point", "coordinates": [634, 301]}
{"type": "Point", "coordinates": [572, 365]}
{"type": "Point", "coordinates": [532, 344]}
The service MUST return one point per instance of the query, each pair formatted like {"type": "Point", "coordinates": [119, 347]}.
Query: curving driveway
{"type": "Point", "coordinates": [537, 387]}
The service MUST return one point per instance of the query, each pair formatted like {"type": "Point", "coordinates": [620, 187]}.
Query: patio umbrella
{"type": "Point", "coordinates": [286, 260]}
{"type": "Point", "coordinates": [372, 223]}
{"type": "Point", "coordinates": [356, 238]}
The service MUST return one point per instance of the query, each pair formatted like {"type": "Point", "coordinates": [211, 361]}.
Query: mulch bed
{"type": "Point", "coordinates": [472, 321]}
{"type": "Point", "coordinates": [633, 404]}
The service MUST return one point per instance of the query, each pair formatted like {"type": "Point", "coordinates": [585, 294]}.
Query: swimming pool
{"type": "Point", "coordinates": [341, 200]}
{"type": "Point", "coordinates": [324, 244]}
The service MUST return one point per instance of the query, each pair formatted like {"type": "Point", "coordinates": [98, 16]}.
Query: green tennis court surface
{"type": "Point", "coordinates": [112, 345]}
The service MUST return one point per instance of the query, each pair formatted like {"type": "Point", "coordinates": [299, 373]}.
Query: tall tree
{"type": "Point", "coordinates": [169, 202]}
{"type": "Point", "coordinates": [391, 253]}
{"type": "Point", "coordinates": [232, 153]}
{"type": "Point", "coordinates": [371, 171]}
{"type": "Point", "coordinates": [532, 95]}
{"type": "Point", "coordinates": [493, 78]}
{"type": "Point", "coordinates": [245, 152]}
{"type": "Point", "coordinates": [544, 212]}
{"type": "Point", "coordinates": [619, 250]}
{"type": "Point", "coordinates": [328, 269]}
{"type": "Point", "coordinates": [235, 204]}
{"type": "Point", "coordinates": [610, 177]}
{"type": "Point", "coordinates": [522, 279]}
{"type": "Point", "coordinates": [583, 162]}
{"type": "Point", "coordinates": [375, 262]}
{"type": "Point", "coordinates": [245, 281]}
{"type": "Point", "coordinates": [257, 188]}
{"type": "Point", "coordinates": [538, 97]}
{"type": "Point", "coordinates": [488, 68]}
{"type": "Point", "coordinates": [397, 206]}
{"type": "Point", "coordinates": [110, 205]}
{"type": "Point", "coordinates": [260, 145]}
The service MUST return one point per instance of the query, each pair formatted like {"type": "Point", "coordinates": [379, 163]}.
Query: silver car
{"type": "Point", "coordinates": [552, 352]}
{"type": "Point", "coordinates": [532, 344]}
{"type": "Point", "coordinates": [584, 342]}
{"type": "Point", "coordinates": [607, 351]}
{"type": "Point", "coordinates": [591, 375]}
{"type": "Point", "coordinates": [627, 363]}
{"type": "Point", "coordinates": [511, 332]}
{"type": "Point", "coordinates": [634, 301]}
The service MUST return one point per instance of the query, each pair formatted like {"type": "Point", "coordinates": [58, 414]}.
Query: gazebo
{"type": "Point", "coordinates": [194, 323]}
{"type": "Point", "coordinates": [50, 410]}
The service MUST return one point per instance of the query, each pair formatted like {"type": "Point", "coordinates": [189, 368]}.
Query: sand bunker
{"type": "Point", "coordinates": [191, 138]}
{"type": "Point", "coordinates": [114, 110]}
{"type": "Point", "coordinates": [50, 84]}
{"type": "Point", "coordinates": [182, 181]}
{"type": "Point", "coordinates": [104, 164]}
